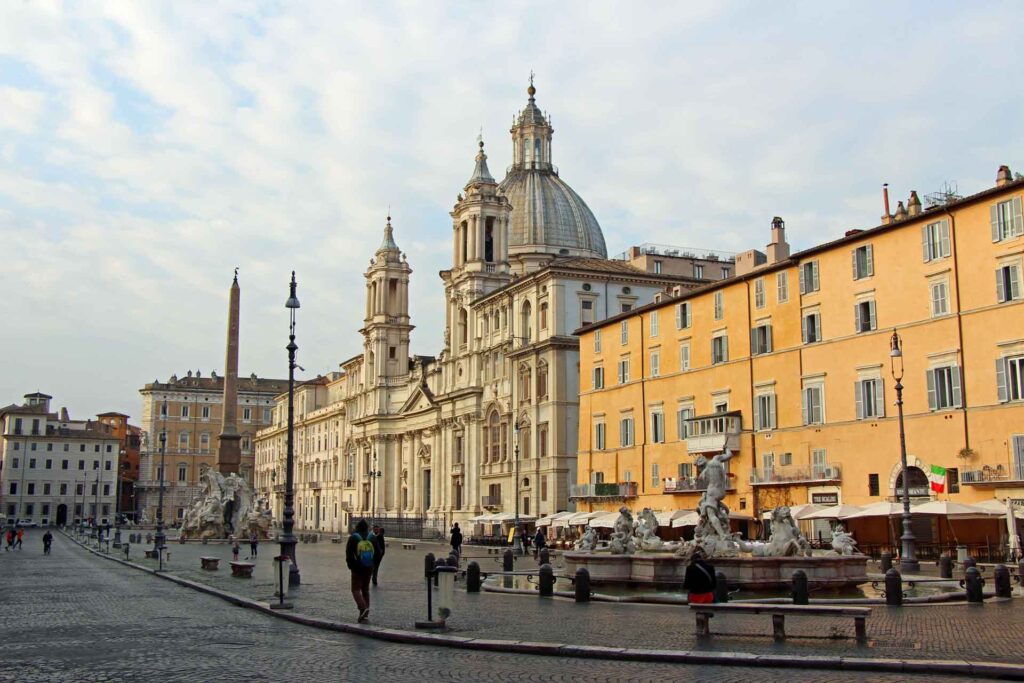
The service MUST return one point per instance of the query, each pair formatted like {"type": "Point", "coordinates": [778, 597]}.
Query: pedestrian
{"type": "Point", "coordinates": [359, 553]}
{"type": "Point", "coordinates": [47, 542]}
{"type": "Point", "coordinates": [377, 538]}
{"type": "Point", "coordinates": [21, 535]}
{"type": "Point", "coordinates": [700, 578]}
{"type": "Point", "coordinates": [254, 545]}
{"type": "Point", "coordinates": [524, 539]}
{"type": "Point", "coordinates": [10, 538]}
{"type": "Point", "coordinates": [234, 548]}
{"type": "Point", "coordinates": [457, 539]}
{"type": "Point", "coordinates": [538, 542]}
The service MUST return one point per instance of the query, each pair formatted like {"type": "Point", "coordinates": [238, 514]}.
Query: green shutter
{"type": "Point", "coordinates": [932, 398]}
{"type": "Point", "coordinates": [957, 391]}
{"type": "Point", "coordinates": [994, 217]}
{"type": "Point", "coordinates": [1002, 389]}
{"type": "Point", "coordinates": [944, 238]}
{"type": "Point", "coordinates": [869, 253]}
{"type": "Point", "coordinates": [879, 398]}
{"type": "Point", "coordinates": [1000, 286]}
{"type": "Point", "coordinates": [925, 252]}
{"type": "Point", "coordinates": [858, 398]}
{"type": "Point", "coordinates": [871, 312]}
{"type": "Point", "coordinates": [1016, 220]}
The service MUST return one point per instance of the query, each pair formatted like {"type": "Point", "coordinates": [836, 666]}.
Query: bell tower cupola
{"type": "Point", "coordinates": [387, 325]}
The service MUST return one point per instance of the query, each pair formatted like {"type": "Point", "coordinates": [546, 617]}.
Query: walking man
{"type": "Point", "coordinates": [359, 554]}
{"type": "Point", "coordinates": [21, 535]}
{"type": "Point", "coordinates": [538, 542]}
{"type": "Point", "coordinates": [47, 542]}
{"type": "Point", "coordinates": [457, 540]}
{"type": "Point", "coordinates": [10, 538]}
{"type": "Point", "coordinates": [377, 538]}
{"type": "Point", "coordinates": [254, 545]}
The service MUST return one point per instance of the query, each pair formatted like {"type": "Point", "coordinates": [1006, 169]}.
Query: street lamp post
{"type": "Point", "coordinates": [287, 539]}
{"type": "Point", "coordinates": [908, 558]}
{"type": "Point", "coordinates": [374, 475]}
{"type": "Point", "coordinates": [160, 539]}
{"type": "Point", "coordinates": [517, 539]}
{"type": "Point", "coordinates": [117, 499]}
{"type": "Point", "coordinates": [96, 507]}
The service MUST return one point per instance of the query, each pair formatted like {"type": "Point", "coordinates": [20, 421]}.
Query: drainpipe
{"type": "Point", "coordinates": [959, 329]}
{"type": "Point", "coordinates": [643, 410]}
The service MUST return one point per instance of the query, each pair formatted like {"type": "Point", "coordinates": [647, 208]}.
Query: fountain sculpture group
{"type": "Point", "coordinates": [225, 506]}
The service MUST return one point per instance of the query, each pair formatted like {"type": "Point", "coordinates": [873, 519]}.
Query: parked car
{"type": "Point", "coordinates": [26, 523]}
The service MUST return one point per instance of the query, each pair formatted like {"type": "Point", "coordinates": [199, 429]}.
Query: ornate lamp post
{"type": "Point", "coordinates": [160, 539]}
{"type": "Point", "coordinates": [374, 475]}
{"type": "Point", "coordinates": [517, 538]}
{"type": "Point", "coordinates": [908, 559]}
{"type": "Point", "coordinates": [287, 539]}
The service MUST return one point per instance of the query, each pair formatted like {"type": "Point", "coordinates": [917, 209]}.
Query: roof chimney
{"type": "Point", "coordinates": [901, 213]}
{"type": "Point", "coordinates": [64, 417]}
{"type": "Point", "coordinates": [913, 204]}
{"type": "Point", "coordinates": [778, 248]}
{"type": "Point", "coordinates": [886, 217]}
{"type": "Point", "coordinates": [1004, 176]}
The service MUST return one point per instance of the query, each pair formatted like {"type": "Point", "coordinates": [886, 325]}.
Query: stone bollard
{"type": "Point", "coordinates": [969, 562]}
{"type": "Point", "coordinates": [1001, 575]}
{"type": "Point", "coordinates": [721, 588]}
{"type": "Point", "coordinates": [547, 580]}
{"type": "Point", "coordinates": [437, 565]}
{"type": "Point", "coordinates": [545, 556]}
{"type": "Point", "coordinates": [473, 578]}
{"type": "Point", "coordinates": [893, 588]}
{"type": "Point", "coordinates": [800, 588]}
{"type": "Point", "coordinates": [582, 585]}
{"type": "Point", "coordinates": [507, 561]}
{"type": "Point", "coordinates": [945, 566]}
{"type": "Point", "coordinates": [972, 583]}
{"type": "Point", "coordinates": [428, 565]}
{"type": "Point", "coordinates": [886, 562]}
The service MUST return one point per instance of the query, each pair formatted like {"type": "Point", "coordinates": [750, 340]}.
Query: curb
{"type": "Point", "coordinates": [920, 666]}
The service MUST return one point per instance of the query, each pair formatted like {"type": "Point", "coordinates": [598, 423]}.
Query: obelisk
{"type": "Point", "coordinates": [229, 451]}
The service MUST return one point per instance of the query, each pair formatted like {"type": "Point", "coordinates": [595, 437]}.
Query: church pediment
{"type": "Point", "coordinates": [419, 400]}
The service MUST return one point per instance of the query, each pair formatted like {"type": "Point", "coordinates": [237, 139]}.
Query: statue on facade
{"type": "Point", "coordinates": [843, 542]}
{"type": "Point", "coordinates": [588, 542]}
{"type": "Point", "coordinates": [622, 535]}
{"type": "Point", "coordinates": [645, 532]}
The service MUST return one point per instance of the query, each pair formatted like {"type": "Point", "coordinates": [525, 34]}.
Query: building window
{"type": "Point", "coordinates": [544, 316]}
{"type": "Point", "coordinates": [719, 349]}
{"type": "Point", "coordinates": [682, 315]}
{"type": "Point", "coordinates": [767, 463]}
{"type": "Point", "coordinates": [764, 411]}
{"type": "Point", "coordinates": [869, 398]}
{"type": "Point", "coordinates": [599, 443]}
{"type": "Point", "coordinates": [719, 306]}
{"type": "Point", "coordinates": [812, 328]}
{"type": "Point", "coordinates": [586, 311]}
{"type": "Point", "coordinates": [626, 432]}
{"type": "Point", "coordinates": [940, 298]}
{"type": "Point", "coordinates": [655, 363]}
{"type": "Point", "coordinates": [81, 464]}
{"type": "Point", "coordinates": [597, 341]}
{"type": "Point", "coordinates": [63, 489]}
{"type": "Point", "coordinates": [935, 240]}
{"type": "Point", "coordinates": [63, 464]}
{"type": "Point", "coordinates": [944, 390]}
{"type": "Point", "coordinates": [32, 462]}
{"type": "Point", "coordinates": [863, 262]}
{"type": "Point", "coordinates": [246, 414]}
{"type": "Point", "coordinates": [626, 308]}
{"type": "Point", "coordinates": [266, 415]}
{"type": "Point", "coordinates": [107, 464]}
{"type": "Point", "coordinates": [204, 442]}
{"type": "Point", "coordinates": [698, 271]}
{"type": "Point", "coordinates": [873, 485]}
{"type": "Point", "coordinates": [623, 371]}
{"type": "Point", "coordinates": [657, 267]}
{"type": "Point", "coordinates": [1008, 283]}
{"type": "Point", "coordinates": [624, 333]}
{"type": "Point", "coordinates": [726, 273]}
{"type": "Point", "coordinates": [809, 277]}
{"type": "Point", "coordinates": [813, 405]}
{"type": "Point", "coordinates": [782, 286]}
{"type": "Point", "coordinates": [542, 440]}
{"type": "Point", "coordinates": [1010, 378]}
{"type": "Point", "coordinates": [761, 339]}
{"type": "Point", "coordinates": [683, 415]}
{"type": "Point", "coordinates": [163, 409]}
{"type": "Point", "coordinates": [686, 471]}
{"type": "Point", "coordinates": [654, 323]}
{"type": "Point", "coordinates": [206, 412]}
{"type": "Point", "coordinates": [655, 475]}
{"type": "Point", "coordinates": [542, 381]}
{"type": "Point", "coordinates": [684, 356]}
{"type": "Point", "coordinates": [1006, 220]}
{"type": "Point", "coordinates": [598, 378]}
{"type": "Point", "coordinates": [864, 316]}
{"type": "Point", "coordinates": [953, 479]}
{"type": "Point", "coordinates": [544, 488]}
{"type": "Point", "coordinates": [182, 472]}
{"type": "Point", "coordinates": [184, 410]}
{"type": "Point", "coordinates": [30, 489]}
{"type": "Point", "coordinates": [183, 440]}
{"type": "Point", "coordinates": [657, 427]}
{"type": "Point", "coordinates": [759, 292]}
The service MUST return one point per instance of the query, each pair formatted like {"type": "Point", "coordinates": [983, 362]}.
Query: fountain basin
{"type": "Point", "coordinates": [752, 573]}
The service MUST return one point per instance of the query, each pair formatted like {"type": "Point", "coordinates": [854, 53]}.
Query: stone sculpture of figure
{"type": "Point", "coordinates": [588, 542]}
{"type": "Point", "coordinates": [785, 540]}
{"type": "Point", "coordinates": [622, 535]}
{"type": "Point", "coordinates": [646, 526]}
{"type": "Point", "coordinates": [842, 542]}
{"type": "Point", "coordinates": [713, 513]}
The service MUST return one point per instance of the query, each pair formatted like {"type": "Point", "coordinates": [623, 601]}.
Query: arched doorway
{"type": "Point", "coordinates": [924, 527]}
{"type": "Point", "coordinates": [62, 514]}
{"type": "Point", "coordinates": [917, 483]}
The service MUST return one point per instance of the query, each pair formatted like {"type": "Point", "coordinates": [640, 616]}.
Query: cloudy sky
{"type": "Point", "coordinates": [147, 149]}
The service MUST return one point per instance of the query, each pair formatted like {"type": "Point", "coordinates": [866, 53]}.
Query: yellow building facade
{"type": "Point", "coordinates": [788, 367]}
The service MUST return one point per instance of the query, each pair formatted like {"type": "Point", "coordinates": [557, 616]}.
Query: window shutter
{"type": "Point", "coordinates": [768, 335]}
{"type": "Point", "coordinates": [754, 350]}
{"type": "Point", "coordinates": [686, 314]}
{"type": "Point", "coordinates": [757, 412]}
{"type": "Point", "coordinates": [994, 217]}
{"type": "Point", "coordinates": [925, 232]}
{"type": "Point", "coordinates": [803, 328]}
{"type": "Point", "coordinates": [879, 398]}
{"type": "Point", "coordinates": [870, 259]}
{"type": "Point", "coordinates": [932, 398]}
{"type": "Point", "coordinates": [803, 405]}
{"type": "Point", "coordinates": [772, 419]}
{"type": "Point", "coordinates": [725, 348]}
{"type": "Point", "coordinates": [954, 373]}
{"type": "Point", "coordinates": [803, 289]}
{"type": "Point", "coordinates": [871, 311]}
{"type": "Point", "coordinates": [814, 274]}
{"type": "Point", "coordinates": [1004, 394]}
{"type": "Point", "coordinates": [679, 316]}
{"type": "Point", "coordinates": [1017, 221]}
{"type": "Point", "coordinates": [1014, 292]}
{"type": "Point", "coordinates": [856, 317]}
{"type": "Point", "coordinates": [1000, 287]}
{"type": "Point", "coordinates": [944, 238]}
{"type": "Point", "coordinates": [854, 255]}
{"type": "Point", "coordinates": [858, 398]}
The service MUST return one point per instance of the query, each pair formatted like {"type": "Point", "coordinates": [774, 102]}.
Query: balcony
{"type": "Point", "coordinates": [781, 476]}
{"type": "Point", "coordinates": [612, 491]}
{"type": "Point", "coordinates": [491, 501]}
{"type": "Point", "coordinates": [995, 477]}
{"type": "Point", "coordinates": [315, 485]}
{"type": "Point", "coordinates": [714, 433]}
{"type": "Point", "coordinates": [692, 485]}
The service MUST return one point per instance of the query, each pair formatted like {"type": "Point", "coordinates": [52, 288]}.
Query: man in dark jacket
{"type": "Point", "coordinates": [361, 573]}
{"type": "Point", "coordinates": [700, 579]}
{"type": "Point", "coordinates": [378, 550]}
{"type": "Point", "coordinates": [457, 539]}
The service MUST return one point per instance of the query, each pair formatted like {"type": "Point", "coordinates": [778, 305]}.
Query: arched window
{"type": "Point", "coordinates": [526, 322]}
{"type": "Point", "coordinates": [489, 239]}
{"type": "Point", "coordinates": [542, 381]}
{"type": "Point", "coordinates": [183, 439]}
{"type": "Point", "coordinates": [536, 150]}
{"type": "Point", "coordinates": [544, 316]}
{"type": "Point", "coordinates": [524, 440]}
{"type": "Point", "coordinates": [492, 438]}
{"type": "Point", "coordinates": [464, 235]}
{"type": "Point", "coordinates": [463, 327]}
{"type": "Point", "coordinates": [524, 383]}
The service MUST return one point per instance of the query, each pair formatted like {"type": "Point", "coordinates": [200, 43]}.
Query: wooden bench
{"type": "Point", "coordinates": [778, 613]}
{"type": "Point", "coordinates": [210, 563]}
{"type": "Point", "coordinates": [242, 570]}
{"type": "Point", "coordinates": [151, 554]}
{"type": "Point", "coordinates": [408, 546]}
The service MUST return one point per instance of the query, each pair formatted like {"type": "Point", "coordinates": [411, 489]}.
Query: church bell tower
{"type": "Point", "coordinates": [387, 325]}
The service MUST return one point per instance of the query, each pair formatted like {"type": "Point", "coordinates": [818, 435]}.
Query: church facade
{"type": "Point", "coordinates": [489, 424]}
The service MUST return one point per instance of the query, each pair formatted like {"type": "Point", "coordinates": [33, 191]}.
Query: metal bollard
{"type": "Point", "coordinates": [473, 578]}
{"type": "Point", "coordinates": [1001, 575]}
{"type": "Point", "coordinates": [545, 556]}
{"type": "Point", "coordinates": [886, 562]}
{"type": "Point", "coordinates": [428, 565]}
{"type": "Point", "coordinates": [945, 566]}
{"type": "Point", "coordinates": [893, 588]}
{"type": "Point", "coordinates": [969, 562]}
{"type": "Point", "coordinates": [800, 587]}
{"type": "Point", "coordinates": [547, 580]}
{"type": "Point", "coordinates": [973, 582]}
{"type": "Point", "coordinates": [507, 561]}
{"type": "Point", "coordinates": [582, 585]}
{"type": "Point", "coordinates": [721, 588]}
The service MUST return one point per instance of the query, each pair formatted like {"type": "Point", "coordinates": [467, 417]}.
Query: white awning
{"type": "Point", "coordinates": [953, 510]}
{"type": "Point", "coordinates": [579, 518]}
{"type": "Point", "coordinates": [666, 517]}
{"type": "Point", "coordinates": [605, 521]}
{"type": "Point", "coordinates": [549, 519]}
{"type": "Point", "coordinates": [835, 512]}
{"type": "Point", "coordinates": [689, 519]}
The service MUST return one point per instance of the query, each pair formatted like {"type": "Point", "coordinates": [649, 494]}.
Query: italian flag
{"type": "Point", "coordinates": [937, 477]}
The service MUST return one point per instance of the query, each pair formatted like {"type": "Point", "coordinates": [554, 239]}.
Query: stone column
{"type": "Point", "coordinates": [472, 255]}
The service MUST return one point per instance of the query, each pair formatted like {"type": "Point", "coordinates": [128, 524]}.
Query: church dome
{"type": "Point", "coordinates": [547, 215]}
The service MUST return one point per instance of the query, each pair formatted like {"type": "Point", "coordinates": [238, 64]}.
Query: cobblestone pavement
{"type": "Point", "coordinates": [910, 632]}
{"type": "Point", "coordinates": [77, 617]}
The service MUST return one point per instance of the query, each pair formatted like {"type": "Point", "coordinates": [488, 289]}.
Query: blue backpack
{"type": "Point", "coordinates": [364, 551]}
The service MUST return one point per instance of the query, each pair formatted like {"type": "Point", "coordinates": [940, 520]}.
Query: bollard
{"type": "Point", "coordinates": [507, 561]}
{"type": "Point", "coordinates": [473, 578]}
{"type": "Point", "coordinates": [886, 562]}
{"type": "Point", "coordinates": [582, 585]}
{"type": "Point", "coordinates": [945, 566]}
{"type": "Point", "coordinates": [1001, 575]}
{"type": "Point", "coordinates": [969, 562]}
{"type": "Point", "coordinates": [437, 565]}
{"type": "Point", "coordinates": [127, 547]}
{"type": "Point", "coordinates": [721, 588]}
{"type": "Point", "coordinates": [428, 565]}
{"type": "Point", "coordinates": [545, 556]}
{"type": "Point", "coordinates": [972, 583]}
{"type": "Point", "coordinates": [893, 588]}
{"type": "Point", "coordinates": [800, 587]}
{"type": "Point", "coordinates": [547, 580]}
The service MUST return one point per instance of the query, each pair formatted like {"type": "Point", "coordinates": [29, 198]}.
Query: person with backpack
{"type": "Point", "coordinates": [700, 579]}
{"type": "Point", "coordinates": [47, 542]}
{"type": "Point", "coordinates": [377, 538]}
{"type": "Point", "coordinates": [359, 554]}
